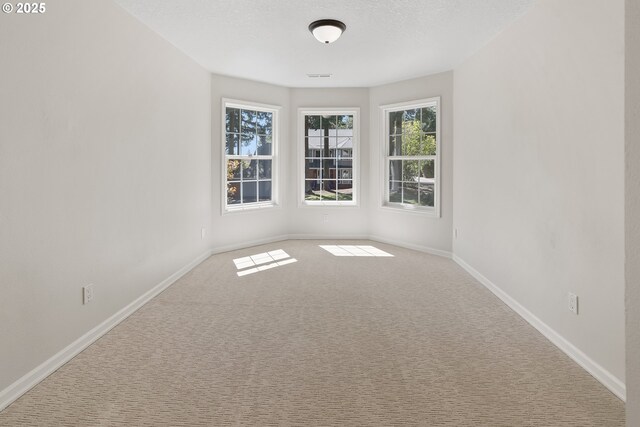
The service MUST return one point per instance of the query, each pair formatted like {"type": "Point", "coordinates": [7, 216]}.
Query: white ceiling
{"type": "Point", "coordinates": [385, 40]}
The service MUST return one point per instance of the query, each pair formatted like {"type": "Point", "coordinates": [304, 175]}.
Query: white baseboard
{"type": "Point", "coordinates": [258, 242]}
{"type": "Point", "coordinates": [248, 244]}
{"type": "Point", "coordinates": [418, 248]}
{"type": "Point", "coordinates": [31, 379]}
{"type": "Point", "coordinates": [610, 381]}
{"type": "Point", "coordinates": [318, 236]}
{"type": "Point", "coordinates": [328, 237]}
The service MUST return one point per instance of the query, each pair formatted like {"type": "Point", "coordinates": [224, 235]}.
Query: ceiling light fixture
{"type": "Point", "coordinates": [327, 30]}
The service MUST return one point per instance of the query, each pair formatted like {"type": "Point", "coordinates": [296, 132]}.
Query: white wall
{"type": "Point", "coordinates": [104, 172]}
{"type": "Point", "coordinates": [632, 210]}
{"type": "Point", "coordinates": [538, 169]}
{"type": "Point", "coordinates": [248, 227]}
{"type": "Point", "coordinates": [342, 221]}
{"type": "Point", "coordinates": [408, 228]}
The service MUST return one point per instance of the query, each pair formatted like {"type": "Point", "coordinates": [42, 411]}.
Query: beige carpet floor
{"type": "Point", "coordinates": [325, 341]}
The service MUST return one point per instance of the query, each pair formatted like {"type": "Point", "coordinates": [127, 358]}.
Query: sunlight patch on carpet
{"type": "Point", "coordinates": [262, 261]}
{"type": "Point", "coordinates": [350, 250]}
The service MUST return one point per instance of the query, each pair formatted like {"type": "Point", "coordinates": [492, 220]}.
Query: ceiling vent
{"type": "Point", "coordinates": [319, 76]}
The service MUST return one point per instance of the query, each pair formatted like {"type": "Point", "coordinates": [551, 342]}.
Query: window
{"type": "Point", "coordinates": [250, 135]}
{"type": "Point", "coordinates": [329, 159]}
{"type": "Point", "coordinates": [412, 156]}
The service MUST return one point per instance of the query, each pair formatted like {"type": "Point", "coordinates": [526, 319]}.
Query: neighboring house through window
{"type": "Point", "coordinates": [329, 145]}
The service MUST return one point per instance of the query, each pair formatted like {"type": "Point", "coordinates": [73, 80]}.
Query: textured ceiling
{"type": "Point", "coordinates": [385, 40]}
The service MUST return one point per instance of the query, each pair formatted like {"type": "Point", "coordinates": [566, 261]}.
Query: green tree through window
{"type": "Point", "coordinates": [412, 155]}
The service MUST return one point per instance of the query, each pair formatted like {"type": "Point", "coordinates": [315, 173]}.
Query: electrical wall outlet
{"type": "Point", "coordinates": [572, 299]}
{"type": "Point", "coordinates": [203, 232]}
{"type": "Point", "coordinates": [325, 218]}
{"type": "Point", "coordinates": [87, 294]}
{"type": "Point", "coordinates": [455, 233]}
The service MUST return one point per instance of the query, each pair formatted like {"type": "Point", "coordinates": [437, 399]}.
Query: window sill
{"type": "Point", "coordinates": [412, 209]}
{"type": "Point", "coordinates": [249, 208]}
{"type": "Point", "coordinates": [311, 204]}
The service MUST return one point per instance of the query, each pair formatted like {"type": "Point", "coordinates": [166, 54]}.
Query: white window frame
{"type": "Point", "coordinates": [385, 157]}
{"type": "Point", "coordinates": [275, 143]}
{"type": "Point", "coordinates": [355, 157]}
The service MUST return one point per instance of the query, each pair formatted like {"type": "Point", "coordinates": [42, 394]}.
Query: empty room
{"type": "Point", "coordinates": [344, 213]}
